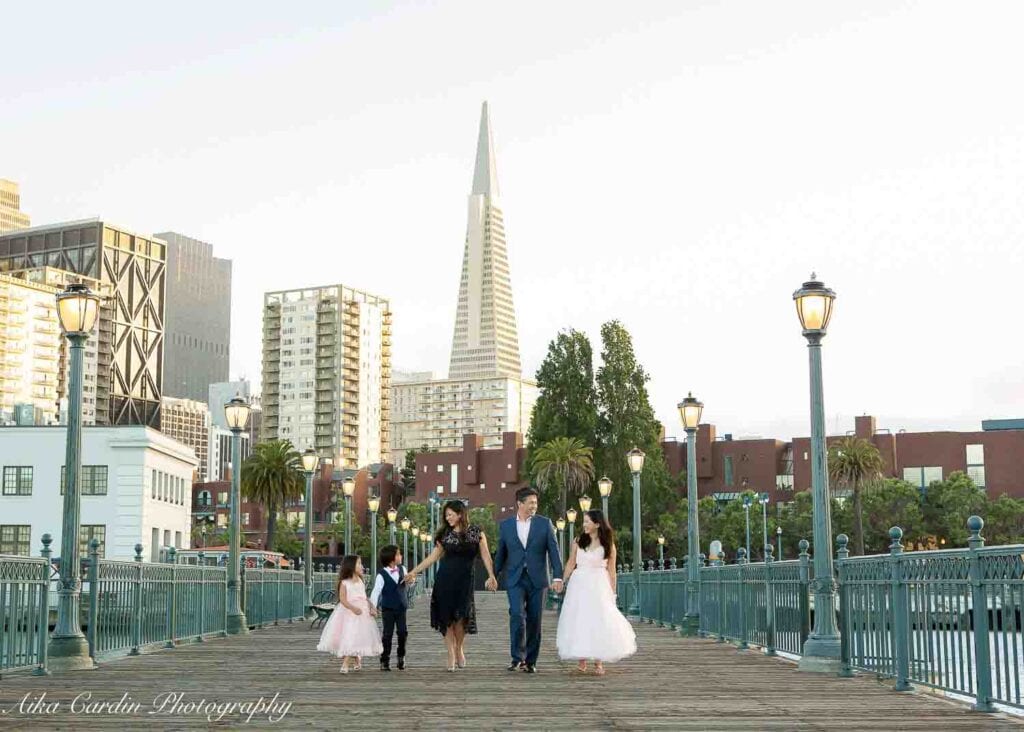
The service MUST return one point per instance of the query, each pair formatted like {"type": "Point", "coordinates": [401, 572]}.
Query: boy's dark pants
{"type": "Point", "coordinates": [393, 619]}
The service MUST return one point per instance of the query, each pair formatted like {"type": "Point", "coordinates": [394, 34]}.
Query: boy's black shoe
{"type": "Point", "coordinates": [530, 668]}
{"type": "Point", "coordinates": [517, 666]}
{"type": "Point", "coordinates": [385, 665]}
{"type": "Point", "coordinates": [401, 663]}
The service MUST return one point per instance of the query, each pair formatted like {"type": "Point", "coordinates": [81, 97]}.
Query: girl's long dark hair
{"type": "Point", "coordinates": [458, 508]}
{"type": "Point", "coordinates": [605, 534]}
{"type": "Point", "coordinates": [346, 570]}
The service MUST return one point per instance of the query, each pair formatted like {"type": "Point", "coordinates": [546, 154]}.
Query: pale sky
{"type": "Point", "coordinates": [680, 166]}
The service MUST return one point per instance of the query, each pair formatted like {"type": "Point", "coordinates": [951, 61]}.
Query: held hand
{"type": "Point", "coordinates": [356, 611]}
{"type": "Point", "coordinates": [491, 584]}
{"type": "Point", "coordinates": [557, 586]}
{"type": "Point", "coordinates": [410, 578]}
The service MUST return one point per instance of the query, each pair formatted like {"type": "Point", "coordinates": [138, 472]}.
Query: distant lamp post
{"type": "Point", "coordinates": [236, 412]}
{"type": "Point", "coordinates": [310, 461]}
{"type": "Point", "coordinates": [585, 503]}
{"type": "Point", "coordinates": [373, 503]}
{"type": "Point", "coordinates": [635, 459]}
{"type": "Point", "coordinates": [560, 525]}
{"type": "Point", "coordinates": [747, 503]}
{"type": "Point", "coordinates": [392, 517]}
{"type": "Point", "coordinates": [348, 488]}
{"type": "Point", "coordinates": [763, 500]}
{"type": "Point", "coordinates": [661, 551]}
{"type": "Point", "coordinates": [68, 649]}
{"type": "Point", "coordinates": [778, 537]}
{"type": "Point", "coordinates": [415, 545]}
{"type": "Point", "coordinates": [570, 516]}
{"type": "Point", "coordinates": [690, 412]}
{"type": "Point", "coordinates": [406, 523]}
{"type": "Point", "coordinates": [604, 487]}
{"type": "Point", "coordinates": [814, 303]}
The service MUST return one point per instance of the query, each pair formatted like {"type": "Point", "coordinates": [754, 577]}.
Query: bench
{"type": "Point", "coordinates": [322, 606]}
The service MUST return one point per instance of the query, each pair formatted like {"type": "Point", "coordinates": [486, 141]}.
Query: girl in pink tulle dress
{"type": "Point", "coordinates": [351, 631]}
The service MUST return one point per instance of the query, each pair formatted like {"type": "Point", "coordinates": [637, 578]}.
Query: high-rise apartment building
{"type": "Point", "coordinates": [131, 269]}
{"type": "Point", "coordinates": [327, 371]}
{"type": "Point", "coordinates": [485, 342]}
{"type": "Point", "coordinates": [197, 319]}
{"type": "Point", "coordinates": [485, 392]}
{"type": "Point", "coordinates": [188, 422]}
{"type": "Point", "coordinates": [33, 352]}
{"type": "Point", "coordinates": [11, 215]}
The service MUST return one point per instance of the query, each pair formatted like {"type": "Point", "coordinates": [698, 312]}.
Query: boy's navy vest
{"type": "Point", "coordinates": [393, 596]}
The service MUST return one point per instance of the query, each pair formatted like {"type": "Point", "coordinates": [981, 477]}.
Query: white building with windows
{"type": "Point", "coordinates": [136, 489]}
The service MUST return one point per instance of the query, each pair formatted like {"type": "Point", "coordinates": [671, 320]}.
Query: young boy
{"type": "Point", "coordinates": [390, 598]}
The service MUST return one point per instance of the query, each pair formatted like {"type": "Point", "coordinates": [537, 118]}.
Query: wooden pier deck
{"type": "Point", "coordinates": [672, 683]}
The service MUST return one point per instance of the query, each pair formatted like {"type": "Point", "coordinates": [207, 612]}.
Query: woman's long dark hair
{"type": "Point", "coordinates": [604, 533]}
{"type": "Point", "coordinates": [458, 508]}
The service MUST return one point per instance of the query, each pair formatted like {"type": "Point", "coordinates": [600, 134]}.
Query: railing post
{"type": "Point", "coordinates": [805, 600]}
{"type": "Point", "coordinates": [43, 631]}
{"type": "Point", "coordinates": [172, 556]}
{"type": "Point", "coordinates": [94, 595]}
{"type": "Point", "coordinates": [137, 604]}
{"type": "Point", "coordinates": [979, 612]}
{"type": "Point", "coordinates": [741, 596]}
{"type": "Point", "coordinates": [648, 568]}
{"type": "Point", "coordinates": [721, 599]}
{"type": "Point", "coordinates": [201, 560]}
{"type": "Point", "coordinates": [845, 611]}
{"type": "Point", "coordinates": [769, 600]}
{"type": "Point", "coordinates": [900, 611]}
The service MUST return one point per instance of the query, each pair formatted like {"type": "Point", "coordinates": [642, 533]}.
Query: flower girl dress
{"type": "Point", "coordinates": [348, 634]}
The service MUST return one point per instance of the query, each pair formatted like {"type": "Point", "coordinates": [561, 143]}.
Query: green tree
{"type": "Point", "coordinates": [892, 503]}
{"type": "Point", "coordinates": [947, 505]}
{"type": "Point", "coordinates": [566, 405]}
{"type": "Point", "coordinates": [1004, 521]}
{"type": "Point", "coordinates": [626, 420]}
{"type": "Point", "coordinates": [407, 477]}
{"type": "Point", "coordinates": [564, 465]}
{"type": "Point", "coordinates": [271, 475]}
{"type": "Point", "coordinates": [483, 516]}
{"type": "Point", "coordinates": [855, 463]}
{"type": "Point", "coordinates": [797, 521]}
{"type": "Point", "coordinates": [286, 539]}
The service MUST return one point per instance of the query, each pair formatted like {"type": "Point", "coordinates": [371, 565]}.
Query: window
{"type": "Point", "coordinates": [93, 481]}
{"type": "Point", "coordinates": [167, 537]}
{"type": "Point", "coordinates": [222, 498]}
{"type": "Point", "coordinates": [177, 540]}
{"type": "Point", "coordinates": [976, 464]}
{"type": "Point", "coordinates": [784, 482]}
{"type": "Point", "coordinates": [245, 519]}
{"type": "Point", "coordinates": [153, 486]}
{"type": "Point", "coordinates": [17, 480]}
{"type": "Point", "coordinates": [454, 479]}
{"type": "Point", "coordinates": [922, 477]}
{"type": "Point", "coordinates": [205, 499]}
{"type": "Point", "coordinates": [88, 533]}
{"type": "Point", "coordinates": [728, 469]}
{"type": "Point", "coordinates": [16, 539]}
{"type": "Point", "coordinates": [440, 468]}
{"type": "Point", "coordinates": [222, 520]}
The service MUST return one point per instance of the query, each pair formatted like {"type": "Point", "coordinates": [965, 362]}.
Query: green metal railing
{"type": "Point", "coordinates": [272, 595]}
{"type": "Point", "coordinates": [24, 610]}
{"type": "Point", "coordinates": [135, 604]}
{"type": "Point", "coordinates": [950, 620]}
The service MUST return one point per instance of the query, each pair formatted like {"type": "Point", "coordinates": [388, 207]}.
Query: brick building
{"type": "Point", "coordinates": [210, 505]}
{"type": "Point", "coordinates": [481, 475]}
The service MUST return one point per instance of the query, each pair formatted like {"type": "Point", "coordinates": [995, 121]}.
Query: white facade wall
{"type": "Point", "coordinates": [149, 487]}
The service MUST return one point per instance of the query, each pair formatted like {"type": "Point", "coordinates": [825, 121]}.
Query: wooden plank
{"type": "Point", "coordinates": [672, 683]}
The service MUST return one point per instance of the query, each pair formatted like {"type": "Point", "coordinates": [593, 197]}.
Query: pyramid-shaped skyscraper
{"type": "Point", "coordinates": [485, 343]}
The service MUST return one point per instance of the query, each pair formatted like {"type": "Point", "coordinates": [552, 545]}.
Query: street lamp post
{"type": "Point", "coordinates": [585, 503]}
{"type": "Point", "coordinates": [348, 487]}
{"type": "Point", "coordinates": [778, 537]}
{"type": "Point", "coordinates": [237, 413]}
{"type": "Point", "coordinates": [310, 460]}
{"type": "Point", "coordinates": [747, 503]}
{"type": "Point", "coordinates": [690, 411]}
{"type": "Point", "coordinates": [373, 503]}
{"type": "Point", "coordinates": [763, 500]}
{"type": "Point", "coordinates": [415, 545]}
{"type": "Point", "coordinates": [560, 525]}
{"type": "Point", "coordinates": [661, 552]}
{"type": "Point", "coordinates": [604, 487]}
{"type": "Point", "coordinates": [570, 516]}
{"type": "Point", "coordinates": [406, 523]}
{"type": "Point", "coordinates": [814, 304]}
{"type": "Point", "coordinates": [392, 517]}
{"type": "Point", "coordinates": [68, 649]}
{"type": "Point", "coordinates": [635, 458]}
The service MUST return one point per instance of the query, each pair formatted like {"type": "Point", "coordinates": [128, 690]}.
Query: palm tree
{"type": "Point", "coordinates": [565, 463]}
{"type": "Point", "coordinates": [272, 475]}
{"type": "Point", "coordinates": [854, 463]}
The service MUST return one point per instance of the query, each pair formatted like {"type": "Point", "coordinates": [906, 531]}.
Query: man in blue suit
{"type": "Point", "coordinates": [526, 545]}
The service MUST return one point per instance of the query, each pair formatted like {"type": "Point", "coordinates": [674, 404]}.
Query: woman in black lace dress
{"type": "Point", "coordinates": [452, 612]}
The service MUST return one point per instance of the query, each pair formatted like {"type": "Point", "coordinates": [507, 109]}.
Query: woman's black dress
{"type": "Point", "coordinates": [452, 598]}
